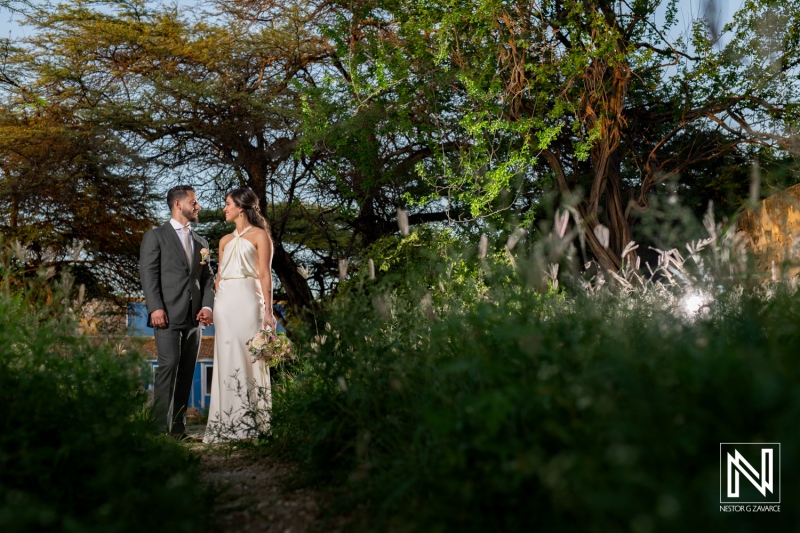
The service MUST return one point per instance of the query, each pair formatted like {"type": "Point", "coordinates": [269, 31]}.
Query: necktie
{"type": "Point", "coordinates": [187, 244]}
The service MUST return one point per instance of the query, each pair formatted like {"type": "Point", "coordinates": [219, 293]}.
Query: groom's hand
{"type": "Point", "coordinates": [159, 319]}
{"type": "Point", "coordinates": [205, 317]}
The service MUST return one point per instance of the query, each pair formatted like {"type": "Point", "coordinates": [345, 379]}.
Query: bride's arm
{"type": "Point", "coordinates": [264, 247]}
{"type": "Point", "coordinates": [222, 243]}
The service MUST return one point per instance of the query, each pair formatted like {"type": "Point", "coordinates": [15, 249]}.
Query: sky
{"type": "Point", "coordinates": [691, 9]}
{"type": "Point", "coordinates": [10, 22]}
{"type": "Point", "coordinates": [10, 25]}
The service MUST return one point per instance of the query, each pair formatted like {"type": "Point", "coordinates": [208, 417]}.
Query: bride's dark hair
{"type": "Point", "coordinates": [246, 200]}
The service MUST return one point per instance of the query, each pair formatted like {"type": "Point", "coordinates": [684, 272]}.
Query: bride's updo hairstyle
{"type": "Point", "coordinates": [246, 200]}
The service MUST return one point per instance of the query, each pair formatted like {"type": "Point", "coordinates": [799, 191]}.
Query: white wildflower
{"type": "Point", "coordinates": [603, 234]}
{"type": "Point", "coordinates": [427, 305]}
{"type": "Point", "coordinates": [402, 221]}
{"type": "Point", "coordinates": [755, 183]}
{"type": "Point", "coordinates": [483, 246]}
{"type": "Point", "coordinates": [514, 238]}
{"type": "Point", "coordinates": [560, 223]}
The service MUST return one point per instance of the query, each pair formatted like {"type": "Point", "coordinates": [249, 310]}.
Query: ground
{"type": "Point", "coordinates": [256, 493]}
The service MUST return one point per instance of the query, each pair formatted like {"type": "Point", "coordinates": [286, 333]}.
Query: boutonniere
{"type": "Point", "coordinates": [204, 255]}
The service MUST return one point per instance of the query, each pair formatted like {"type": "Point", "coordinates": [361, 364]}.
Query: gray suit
{"type": "Point", "coordinates": [181, 290]}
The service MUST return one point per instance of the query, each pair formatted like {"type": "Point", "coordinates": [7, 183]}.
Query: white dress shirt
{"type": "Point", "coordinates": [179, 230]}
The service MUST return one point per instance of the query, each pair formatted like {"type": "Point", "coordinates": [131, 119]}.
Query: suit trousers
{"type": "Point", "coordinates": [178, 348]}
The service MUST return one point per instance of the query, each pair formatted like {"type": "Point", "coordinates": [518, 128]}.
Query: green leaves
{"type": "Point", "coordinates": [77, 449]}
{"type": "Point", "coordinates": [500, 401]}
{"type": "Point", "coordinates": [439, 106]}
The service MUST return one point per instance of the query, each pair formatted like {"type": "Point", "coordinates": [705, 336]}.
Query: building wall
{"type": "Point", "coordinates": [773, 232]}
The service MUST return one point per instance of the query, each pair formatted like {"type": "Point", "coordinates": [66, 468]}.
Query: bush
{"type": "Point", "coordinates": [518, 410]}
{"type": "Point", "coordinates": [77, 451]}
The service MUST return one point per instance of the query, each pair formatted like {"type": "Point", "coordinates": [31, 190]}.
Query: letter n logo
{"type": "Point", "coordinates": [749, 472]}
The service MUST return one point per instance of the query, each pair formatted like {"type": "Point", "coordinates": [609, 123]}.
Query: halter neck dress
{"type": "Point", "coordinates": [241, 396]}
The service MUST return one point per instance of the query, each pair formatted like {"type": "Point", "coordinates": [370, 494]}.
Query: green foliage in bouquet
{"type": "Point", "coordinates": [77, 449]}
{"type": "Point", "coordinates": [442, 408]}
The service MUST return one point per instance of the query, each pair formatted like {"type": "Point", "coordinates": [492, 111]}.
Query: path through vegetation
{"type": "Point", "coordinates": [255, 493]}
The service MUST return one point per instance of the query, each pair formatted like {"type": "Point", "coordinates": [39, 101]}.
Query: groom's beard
{"type": "Point", "coordinates": [190, 214]}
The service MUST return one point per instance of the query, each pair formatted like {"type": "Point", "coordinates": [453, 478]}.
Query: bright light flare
{"type": "Point", "coordinates": [695, 303]}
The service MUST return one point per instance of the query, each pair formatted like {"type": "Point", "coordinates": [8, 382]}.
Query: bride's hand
{"type": "Point", "coordinates": [269, 320]}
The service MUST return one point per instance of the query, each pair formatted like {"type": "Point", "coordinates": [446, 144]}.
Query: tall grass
{"type": "Point", "coordinates": [78, 451]}
{"type": "Point", "coordinates": [458, 396]}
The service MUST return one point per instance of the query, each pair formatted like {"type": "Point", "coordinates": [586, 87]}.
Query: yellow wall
{"type": "Point", "coordinates": [773, 231]}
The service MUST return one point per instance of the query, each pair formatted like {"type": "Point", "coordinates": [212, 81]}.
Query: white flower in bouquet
{"type": "Point", "coordinates": [258, 342]}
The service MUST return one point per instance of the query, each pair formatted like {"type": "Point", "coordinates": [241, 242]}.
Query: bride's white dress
{"type": "Point", "coordinates": [240, 389]}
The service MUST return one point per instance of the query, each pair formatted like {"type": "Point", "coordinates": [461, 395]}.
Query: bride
{"type": "Point", "coordinates": [240, 389]}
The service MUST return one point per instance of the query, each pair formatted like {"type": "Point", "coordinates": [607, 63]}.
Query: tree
{"type": "Point", "coordinates": [210, 97]}
{"type": "Point", "coordinates": [337, 114]}
{"type": "Point", "coordinates": [244, 97]}
{"type": "Point", "coordinates": [378, 112]}
{"type": "Point", "coordinates": [601, 94]}
{"type": "Point", "coordinates": [73, 195]}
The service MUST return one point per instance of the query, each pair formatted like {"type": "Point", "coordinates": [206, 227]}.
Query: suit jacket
{"type": "Point", "coordinates": [169, 282]}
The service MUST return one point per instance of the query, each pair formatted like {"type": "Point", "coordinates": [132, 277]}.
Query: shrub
{"type": "Point", "coordinates": [514, 409]}
{"type": "Point", "coordinates": [77, 449]}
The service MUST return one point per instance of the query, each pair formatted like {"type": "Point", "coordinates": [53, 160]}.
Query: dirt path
{"type": "Point", "coordinates": [254, 495]}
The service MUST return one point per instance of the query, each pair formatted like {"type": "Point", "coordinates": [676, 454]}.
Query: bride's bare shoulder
{"type": "Point", "coordinates": [225, 239]}
{"type": "Point", "coordinates": [261, 237]}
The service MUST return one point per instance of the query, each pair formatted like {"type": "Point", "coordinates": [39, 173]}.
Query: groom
{"type": "Point", "coordinates": [179, 292]}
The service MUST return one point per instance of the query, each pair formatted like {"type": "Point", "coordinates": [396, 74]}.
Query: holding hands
{"type": "Point", "coordinates": [205, 317]}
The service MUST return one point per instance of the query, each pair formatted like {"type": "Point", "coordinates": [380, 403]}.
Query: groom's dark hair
{"type": "Point", "coordinates": [178, 192]}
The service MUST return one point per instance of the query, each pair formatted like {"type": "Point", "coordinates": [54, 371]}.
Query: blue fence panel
{"type": "Point", "coordinates": [200, 396]}
{"type": "Point", "coordinates": [137, 320]}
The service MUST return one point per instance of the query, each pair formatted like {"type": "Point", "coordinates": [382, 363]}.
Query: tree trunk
{"type": "Point", "coordinates": [606, 160]}
{"type": "Point", "coordinates": [605, 256]}
{"type": "Point", "coordinates": [295, 285]}
{"type": "Point", "coordinates": [619, 226]}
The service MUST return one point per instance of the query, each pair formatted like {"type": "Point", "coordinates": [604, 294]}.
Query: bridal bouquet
{"type": "Point", "coordinates": [272, 347]}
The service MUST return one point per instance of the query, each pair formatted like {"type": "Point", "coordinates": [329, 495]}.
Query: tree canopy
{"type": "Point", "coordinates": [340, 114]}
